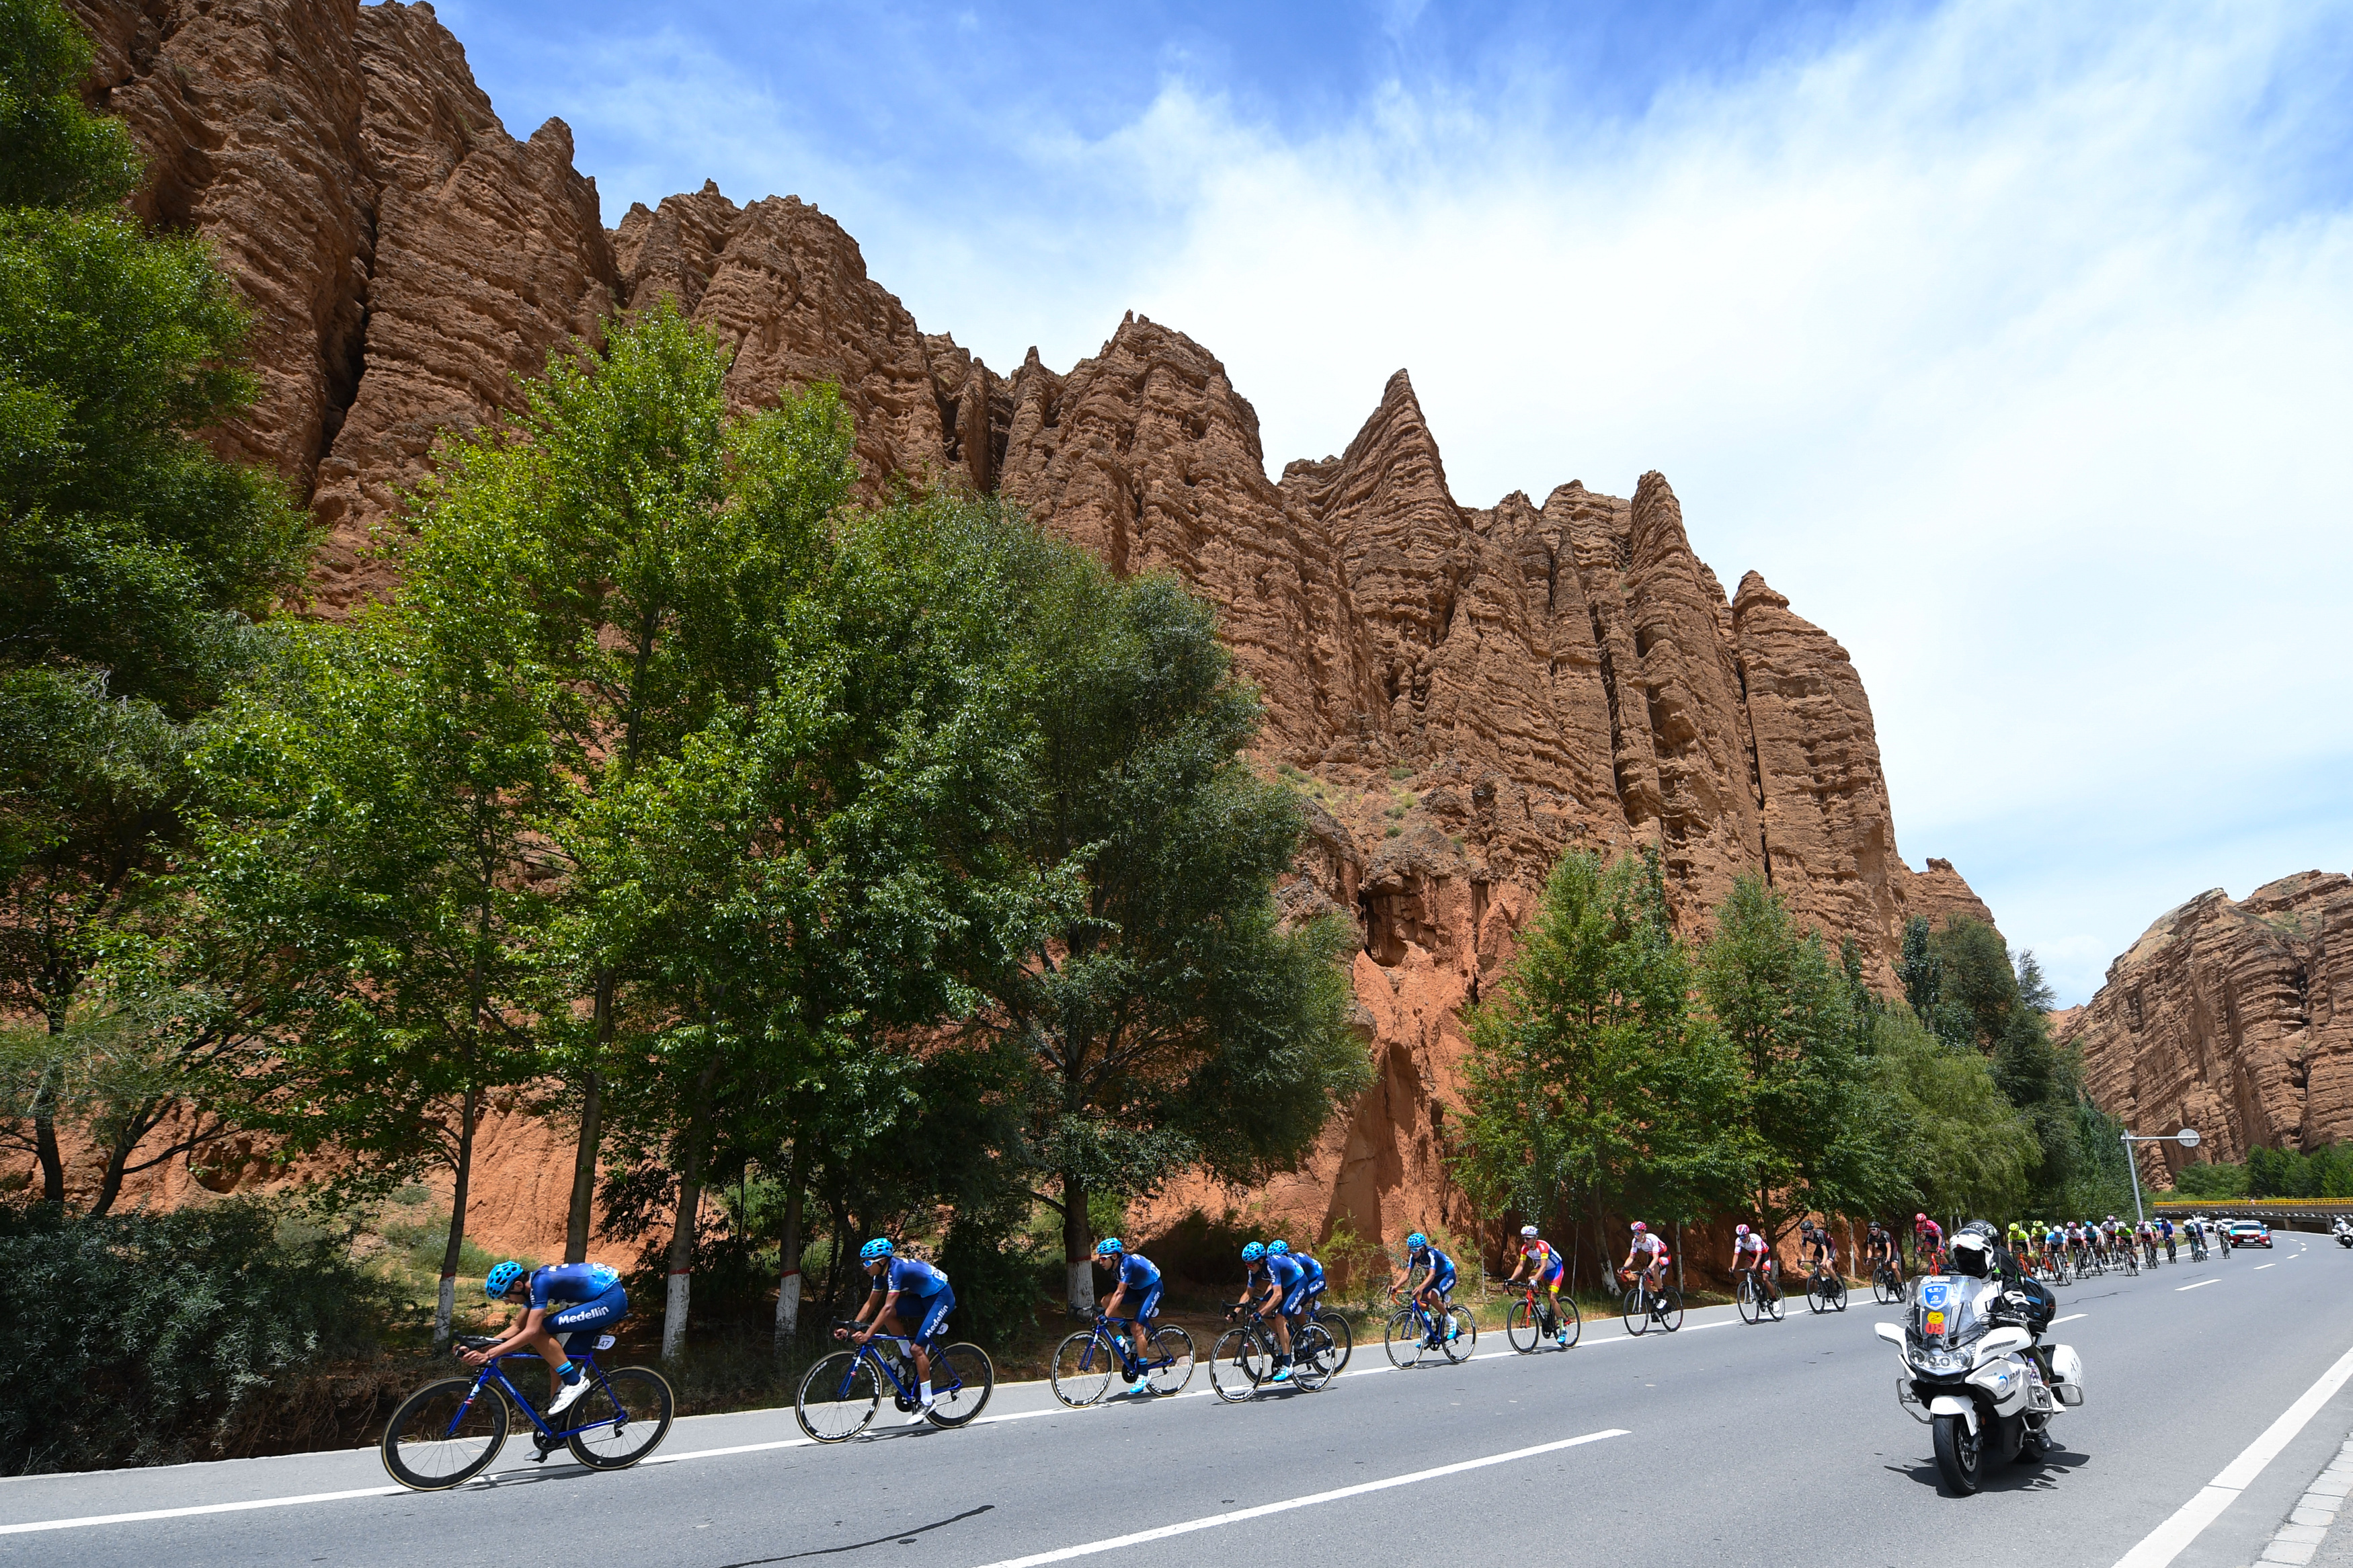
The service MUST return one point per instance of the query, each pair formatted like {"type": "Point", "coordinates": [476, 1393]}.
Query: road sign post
{"type": "Point", "coordinates": [2188, 1138]}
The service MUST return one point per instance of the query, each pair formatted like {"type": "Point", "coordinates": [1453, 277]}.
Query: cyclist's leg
{"type": "Point", "coordinates": [930, 1328]}
{"type": "Point", "coordinates": [580, 1325]}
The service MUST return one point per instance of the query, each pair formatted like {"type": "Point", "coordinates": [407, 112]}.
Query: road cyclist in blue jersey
{"type": "Point", "coordinates": [1299, 1300]}
{"type": "Point", "coordinates": [1269, 1279]}
{"type": "Point", "coordinates": [1435, 1287]}
{"type": "Point", "coordinates": [921, 1319]}
{"type": "Point", "coordinates": [559, 1302]}
{"type": "Point", "coordinates": [1135, 1294]}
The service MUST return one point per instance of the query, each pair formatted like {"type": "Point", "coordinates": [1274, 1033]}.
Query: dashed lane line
{"type": "Point", "coordinates": [1064, 1553]}
{"type": "Point", "coordinates": [2179, 1289]}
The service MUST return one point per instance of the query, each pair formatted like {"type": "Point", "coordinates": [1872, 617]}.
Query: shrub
{"type": "Point", "coordinates": [139, 1338]}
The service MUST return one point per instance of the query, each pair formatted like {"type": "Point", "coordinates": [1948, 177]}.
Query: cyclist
{"type": "Point", "coordinates": [1298, 1298]}
{"type": "Point", "coordinates": [2021, 1246]}
{"type": "Point", "coordinates": [2054, 1245]}
{"type": "Point", "coordinates": [1135, 1294]}
{"type": "Point", "coordinates": [1817, 1248]}
{"type": "Point", "coordinates": [1879, 1249]}
{"type": "Point", "coordinates": [560, 1302]}
{"type": "Point", "coordinates": [2165, 1229]}
{"type": "Point", "coordinates": [1545, 1267]}
{"type": "Point", "coordinates": [894, 1277]}
{"type": "Point", "coordinates": [1268, 1277]}
{"type": "Point", "coordinates": [1650, 1247]}
{"type": "Point", "coordinates": [1928, 1244]}
{"type": "Point", "coordinates": [1750, 1254]}
{"type": "Point", "coordinates": [1435, 1285]}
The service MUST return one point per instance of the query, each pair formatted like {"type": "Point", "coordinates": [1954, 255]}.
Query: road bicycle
{"type": "Point", "coordinates": [449, 1432]}
{"type": "Point", "coordinates": [1644, 1306]}
{"type": "Point", "coordinates": [1758, 1295]}
{"type": "Point", "coordinates": [1532, 1319]}
{"type": "Point", "coordinates": [1825, 1291]}
{"type": "Point", "coordinates": [840, 1396]}
{"type": "Point", "coordinates": [2051, 1267]}
{"type": "Point", "coordinates": [1242, 1361]}
{"type": "Point", "coordinates": [2128, 1259]}
{"type": "Point", "coordinates": [2196, 1247]}
{"type": "Point", "coordinates": [1088, 1362]}
{"type": "Point", "coordinates": [2149, 1252]}
{"type": "Point", "coordinates": [2170, 1257]}
{"type": "Point", "coordinates": [1886, 1285]}
{"type": "Point", "coordinates": [1413, 1332]}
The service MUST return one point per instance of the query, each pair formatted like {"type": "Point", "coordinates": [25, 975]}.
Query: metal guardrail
{"type": "Point", "coordinates": [2288, 1211]}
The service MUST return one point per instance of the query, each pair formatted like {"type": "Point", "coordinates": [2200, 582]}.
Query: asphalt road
{"type": "Point", "coordinates": [1725, 1442]}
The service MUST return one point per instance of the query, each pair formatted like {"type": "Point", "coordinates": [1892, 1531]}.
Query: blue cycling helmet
{"type": "Point", "coordinates": [876, 1248]}
{"type": "Point", "coordinates": [1109, 1246]}
{"type": "Point", "coordinates": [1415, 1242]}
{"type": "Point", "coordinates": [1277, 1248]}
{"type": "Point", "coordinates": [501, 1278]}
{"type": "Point", "coordinates": [1252, 1253]}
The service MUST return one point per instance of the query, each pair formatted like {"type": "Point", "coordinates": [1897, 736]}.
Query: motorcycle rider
{"type": "Point", "coordinates": [2024, 1300]}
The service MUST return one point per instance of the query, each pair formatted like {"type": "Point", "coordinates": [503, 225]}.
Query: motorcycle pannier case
{"type": "Point", "coordinates": [2067, 1374]}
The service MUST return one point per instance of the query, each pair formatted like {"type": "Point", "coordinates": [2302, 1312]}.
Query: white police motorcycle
{"type": "Point", "coordinates": [1984, 1388]}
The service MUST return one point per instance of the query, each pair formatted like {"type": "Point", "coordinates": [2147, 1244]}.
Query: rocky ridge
{"type": "Point", "coordinates": [1458, 694]}
{"type": "Point", "coordinates": [2234, 1016]}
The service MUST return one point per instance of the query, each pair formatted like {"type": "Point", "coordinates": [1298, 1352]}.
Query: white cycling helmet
{"type": "Point", "coordinates": [1528, 1231]}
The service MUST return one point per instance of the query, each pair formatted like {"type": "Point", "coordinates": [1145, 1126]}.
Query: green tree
{"type": "Point", "coordinates": [1821, 1133]}
{"type": "Point", "coordinates": [1170, 1020]}
{"type": "Point", "coordinates": [369, 865]}
{"type": "Point", "coordinates": [1593, 1084]}
{"type": "Point", "coordinates": [1961, 1145]}
{"type": "Point", "coordinates": [637, 541]}
{"type": "Point", "coordinates": [1999, 1005]}
{"type": "Point", "coordinates": [132, 560]}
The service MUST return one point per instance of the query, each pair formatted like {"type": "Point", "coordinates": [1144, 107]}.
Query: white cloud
{"type": "Point", "coordinates": [2014, 342]}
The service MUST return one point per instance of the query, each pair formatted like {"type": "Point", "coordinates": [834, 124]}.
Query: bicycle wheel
{"type": "Point", "coordinates": [1818, 1299]}
{"type": "Point", "coordinates": [1743, 1296]}
{"type": "Point", "coordinates": [1344, 1339]}
{"type": "Point", "coordinates": [1236, 1364]}
{"type": "Point", "coordinates": [1520, 1328]}
{"type": "Point", "coordinates": [963, 1377]}
{"type": "Point", "coordinates": [1669, 1307]}
{"type": "Point", "coordinates": [1402, 1336]}
{"type": "Point", "coordinates": [1637, 1310]}
{"type": "Point", "coordinates": [838, 1397]}
{"type": "Point", "coordinates": [2132, 1264]}
{"type": "Point", "coordinates": [1311, 1358]}
{"type": "Point", "coordinates": [1083, 1370]}
{"type": "Point", "coordinates": [1172, 1358]}
{"type": "Point", "coordinates": [1571, 1323]}
{"type": "Point", "coordinates": [436, 1439]}
{"type": "Point", "coordinates": [624, 1418]}
{"type": "Point", "coordinates": [1777, 1306]}
{"type": "Point", "coordinates": [1463, 1334]}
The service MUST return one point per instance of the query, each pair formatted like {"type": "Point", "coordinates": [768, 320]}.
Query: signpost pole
{"type": "Point", "coordinates": [2188, 1138]}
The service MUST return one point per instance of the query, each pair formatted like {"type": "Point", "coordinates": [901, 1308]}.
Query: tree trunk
{"type": "Point", "coordinates": [592, 1111]}
{"type": "Point", "coordinates": [445, 1306]}
{"type": "Point", "coordinates": [45, 1133]}
{"type": "Point", "coordinates": [682, 1227]}
{"type": "Point", "coordinates": [1078, 1244]}
{"type": "Point", "coordinates": [788, 1258]}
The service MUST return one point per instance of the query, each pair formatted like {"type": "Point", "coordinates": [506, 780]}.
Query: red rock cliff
{"type": "Point", "coordinates": [1460, 693]}
{"type": "Point", "coordinates": [2233, 1017]}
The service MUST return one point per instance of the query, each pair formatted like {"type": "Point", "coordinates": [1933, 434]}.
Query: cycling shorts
{"type": "Point", "coordinates": [576, 1328]}
{"type": "Point", "coordinates": [1148, 1307]}
{"type": "Point", "coordinates": [1301, 1295]}
{"type": "Point", "coordinates": [1551, 1278]}
{"type": "Point", "coordinates": [1441, 1283]}
{"type": "Point", "coordinates": [935, 1309]}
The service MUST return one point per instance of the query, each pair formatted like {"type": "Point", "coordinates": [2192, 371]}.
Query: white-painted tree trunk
{"type": "Point", "coordinates": [1082, 1284]}
{"type": "Point", "coordinates": [674, 1316]}
{"type": "Point", "coordinates": [788, 1307]}
{"type": "Point", "coordinates": [444, 1310]}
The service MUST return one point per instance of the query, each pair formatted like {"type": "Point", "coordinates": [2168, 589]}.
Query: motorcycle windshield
{"type": "Point", "coordinates": [1946, 1310]}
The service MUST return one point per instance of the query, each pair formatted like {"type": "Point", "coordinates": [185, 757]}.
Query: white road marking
{"type": "Point", "coordinates": [1063, 1554]}
{"type": "Point", "coordinates": [2179, 1289]}
{"type": "Point", "coordinates": [2068, 1318]}
{"type": "Point", "coordinates": [2261, 1267]}
{"type": "Point", "coordinates": [2166, 1542]}
{"type": "Point", "coordinates": [184, 1512]}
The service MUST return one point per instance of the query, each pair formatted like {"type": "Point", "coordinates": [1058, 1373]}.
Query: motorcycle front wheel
{"type": "Point", "coordinates": [1961, 1458]}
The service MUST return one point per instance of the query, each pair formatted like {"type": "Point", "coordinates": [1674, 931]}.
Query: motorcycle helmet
{"type": "Point", "coordinates": [1973, 1254]}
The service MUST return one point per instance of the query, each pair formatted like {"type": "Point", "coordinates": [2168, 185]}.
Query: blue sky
{"type": "Point", "coordinates": [2014, 342]}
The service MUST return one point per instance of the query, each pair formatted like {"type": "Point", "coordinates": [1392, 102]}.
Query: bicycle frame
{"type": "Point", "coordinates": [491, 1371]}
{"type": "Point", "coordinates": [1131, 1365]}
{"type": "Point", "coordinates": [899, 1389]}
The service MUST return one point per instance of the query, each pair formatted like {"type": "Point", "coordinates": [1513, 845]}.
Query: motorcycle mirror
{"type": "Point", "coordinates": [1891, 1333]}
